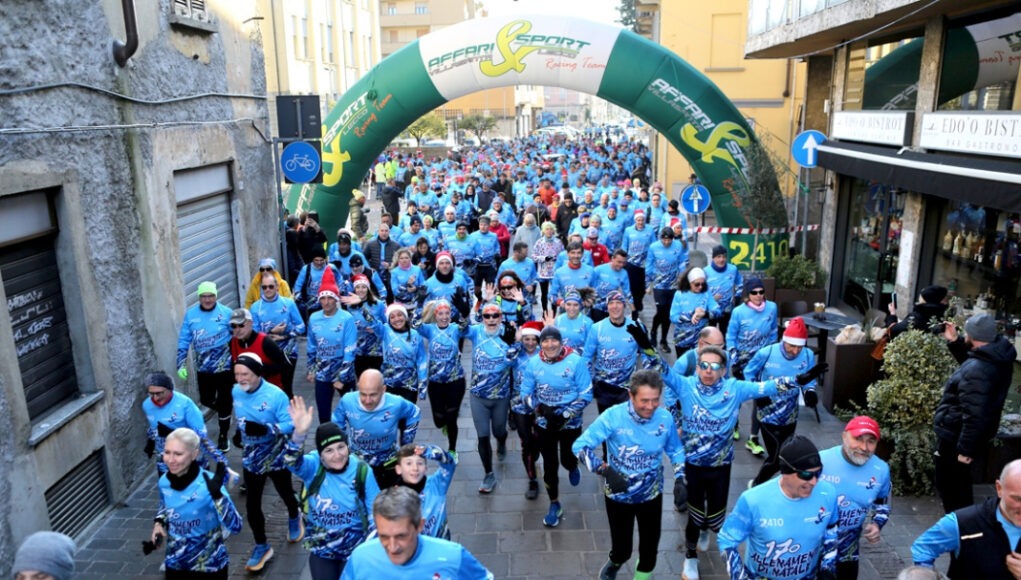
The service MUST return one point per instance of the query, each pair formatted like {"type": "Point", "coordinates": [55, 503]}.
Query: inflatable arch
{"type": "Point", "coordinates": [603, 60]}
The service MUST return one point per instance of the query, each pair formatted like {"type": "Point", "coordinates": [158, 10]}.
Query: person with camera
{"type": "Point", "coordinates": [310, 237]}
{"type": "Point", "coordinates": [637, 434]}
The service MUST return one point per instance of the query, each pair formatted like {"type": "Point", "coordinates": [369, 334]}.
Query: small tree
{"type": "Point", "coordinates": [628, 15]}
{"type": "Point", "coordinates": [762, 201]}
{"type": "Point", "coordinates": [478, 124]}
{"type": "Point", "coordinates": [429, 125]}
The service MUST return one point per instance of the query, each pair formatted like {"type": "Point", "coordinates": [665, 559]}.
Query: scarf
{"type": "Point", "coordinates": [564, 351]}
{"type": "Point", "coordinates": [180, 482]}
{"type": "Point", "coordinates": [759, 308]}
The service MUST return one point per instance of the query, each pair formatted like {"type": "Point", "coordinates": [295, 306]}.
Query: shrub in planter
{"type": "Point", "coordinates": [917, 364]}
{"type": "Point", "coordinates": [796, 273]}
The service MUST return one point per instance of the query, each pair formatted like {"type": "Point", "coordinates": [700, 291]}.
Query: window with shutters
{"type": "Point", "coordinates": [191, 14]}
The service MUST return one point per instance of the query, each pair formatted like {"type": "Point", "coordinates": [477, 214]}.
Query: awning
{"type": "Point", "coordinates": [978, 180]}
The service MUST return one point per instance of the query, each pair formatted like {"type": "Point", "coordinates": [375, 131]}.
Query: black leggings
{"type": "Point", "coordinates": [607, 395]}
{"type": "Point", "coordinates": [221, 574]}
{"type": "Point", "coordinates": [446, 403]}
{"type": "Point", "coordinates": [324, 568]}
{"type": "Point", "coordinates": [622, 518]}
{"type": "Point", "coordinates": [556, 450]}
{"type": "Point", "coordinates": [847, 570]}
{"type": "Point", "coordinates": [708, 488]}
{"type": "Point", "coordinates": [636, 279]}
{"type": "Point", "coordinates": [661, 321]}
{"type": "Point", "coordinates": [544, 287]}
{"type": "Point", "coordinates": [529, 441]}
{"type": "Point", "coordinates": [365, 362]}
{"type": "Point", "coordinates": [256, 483]}
{"type": "Point", "coordinates": [773, 437]}
{"type": "Point", "coordinates": [215, 392]}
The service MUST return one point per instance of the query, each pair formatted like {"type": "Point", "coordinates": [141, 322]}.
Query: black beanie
{"type": "Point", "coordinates": [159, 379]}
{"type": "Point", "coordinates": [719, 250]}
{"type": "Point", "coordinates": [252, 361]}
{"type": "Point", "coordinates": [327, 434]}
{"type": "Point", "coordinates": [550, 332]}
{"type": "Point", "coordinates": [934, 294]}
{"type": "Point", "coordinates": [799, 454]}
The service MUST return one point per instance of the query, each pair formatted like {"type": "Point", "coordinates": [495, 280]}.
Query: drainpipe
{"type": "Point", "coordinates": [122, 51]}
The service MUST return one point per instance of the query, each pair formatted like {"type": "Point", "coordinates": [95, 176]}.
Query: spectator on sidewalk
{"type": "Point", "coordinates": [45, 556]}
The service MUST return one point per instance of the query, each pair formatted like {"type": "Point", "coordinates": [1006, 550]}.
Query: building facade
{"type": "Point", "coordinates": [922, 166]}
{"type": "Point", "coordinates": [121, 187]}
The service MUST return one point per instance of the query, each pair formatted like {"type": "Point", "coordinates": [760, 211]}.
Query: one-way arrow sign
{"type": "Point", "coordinates": [805, 147]}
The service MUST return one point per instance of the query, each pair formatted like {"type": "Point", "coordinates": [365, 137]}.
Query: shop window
{"type": "Point", "coordinates": [883, 76]}
{"type": "Point", "coordinates": [873, 245]}
{"type": "Point", "coordinates": [984, 57]}
{"type": "Point", "coordinates": [979, 262]}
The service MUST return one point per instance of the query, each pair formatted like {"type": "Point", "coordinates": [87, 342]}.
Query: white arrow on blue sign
{"type": "Point", "coordinates": [805, 147]}
{"type": "Point", "coordinates": [695, 199]}
{"type": "Point", "coordinates": [300, 162]}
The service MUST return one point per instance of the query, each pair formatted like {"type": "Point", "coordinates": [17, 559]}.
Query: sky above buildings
{"type": "Point", "coordinates": [600, 10]}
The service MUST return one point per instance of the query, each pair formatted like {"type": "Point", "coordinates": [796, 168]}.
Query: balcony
{"type": "Point", "coordinates": [405, 20]}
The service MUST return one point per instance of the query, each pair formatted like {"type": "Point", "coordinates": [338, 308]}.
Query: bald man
{"type": "Point", "coordinates": [708, 336]}
{"type": "Point", "coordinates": [983, 538]}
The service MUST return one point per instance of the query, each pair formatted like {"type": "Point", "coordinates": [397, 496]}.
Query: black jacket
{"type": "Point", "coordinates": [921, 318]}
{"type": "Point", "coordinates": [984, 544]}
{"type": "Point", "coordinates": [973, 397]}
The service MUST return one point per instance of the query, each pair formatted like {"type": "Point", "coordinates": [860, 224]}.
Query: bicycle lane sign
{"type": "Point", "coordinates": [300, 162]}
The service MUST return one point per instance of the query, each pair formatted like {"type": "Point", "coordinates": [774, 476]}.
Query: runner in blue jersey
{"type": "Point", "coordinates": [666, 259]}
{"type": "Point", "coordinates": [509, 293]}
{"type": "Point", "coordinates": [365, 308]}
{"type": "Point", "coordinates": [402, 551]}
{"type": "Point", "coordinates": [725, 284]}
{"type": "Point", "coordinates": [337, 494]}
{"type": "Point", "coordinates": [637, 434]}
{"type": "Point", "coordinates": [707, 414]}
{"type": "Point", "coordinates": [446, 384]}
{"type": "Point", "coordinates": [613, 349]}
{"type": "Point", "coordinates": [789, 525]}
{"type": "Point", "coordinates": [572, 276]}
{"type": "Point", "coordinates": [778, 415]}
{"type": "Point", "coordinates": [405, 357]}
{"type": "Point", "coordinates": [279, 318]}
{"type": "Point", "coordinates": [636, 242]}
{"type": "Point", "coordinates": [265, 426]}
{"type": "Point", "coordinates": [306, 286]}
{"type": "Point", "coordinates": [463, 249]}
{"type": "Point", "coordinates": [330, 349]}
{"type": "Point", "coordinates": [753, 326]}
{"type": "Point", "coordinates": [862, 481]}
{"type": "Point", "coordinates": [573, 324]}
{"type": "Point", "coordinates": [195, 513]}
{"type": "Point", "coordinates": [206, 329]}
{"type": "Point", "coordinates": [167, 410]}
{"type": "Point", "coordinates": [405, 280]}
{"type": "Point", "coordinates": [608, 278]}
{"type": "Point", "coordinates": [377, 424]}
{"type": "Point", "coordinates": [556, 385]}
{"type": "Point", "coordinates": [432, 489]}
{"type": "Point", "coordinates": [612, 225]}
{"type": "Point", "coordinates": [691, 309]}
{"type": "Point", "coordinates": [487, 254]}
{"type": "Point", "coordinates": [523, 420]}
{"type": "Point", "coordinates": [451, 284]}
{"type": "Point", "coordinates": [524, 268]}
{"type": "Point", "coordinates": [493, 352]}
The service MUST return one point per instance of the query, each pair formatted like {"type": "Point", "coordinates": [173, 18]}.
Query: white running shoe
{"type": "Point", "coordinates": [690, 569]}
{"type": "Point", "coordinates": [703, 541]}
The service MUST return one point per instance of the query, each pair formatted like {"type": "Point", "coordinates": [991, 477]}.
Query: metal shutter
{"type": "Point", "coordinates": [79, 497]}
{"type": "Point", "coordinates": [39, 324]}
{"type": "Point", "coordinates": [206, 238]}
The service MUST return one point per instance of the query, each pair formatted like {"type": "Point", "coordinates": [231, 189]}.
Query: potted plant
{"type": "Point", "coordinates": [917, 364]}
{"type": "Point", "coordinates": [797, 278]}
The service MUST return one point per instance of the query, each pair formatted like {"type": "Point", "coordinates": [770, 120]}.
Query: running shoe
{"type": "Point", "coordinates": [574, 476]}
{"type": "Point", "coordinates": [488, 483]}
{"type": "Point", "coordinates": [664, 347]}
{"type": "Point", "coordinates": [690, 569]}
{"type": "Point", "coordinates": [703, 541]}
{"type": "Point", "coordinates": [223, 443]}
{"type": "Point", "coordinates": [295, 529]}
{"type": "Point", "coordinates": [553, 516]}
{"type": "Point", "coordinates": [533, 489]}
{"type": "Point", "coordinates": [737, 434]}
{"type": "Point", "coordinates": [261, 554]}
{"type": "Point", "coordinates": [753, 445]}
{"type": "Point", "coordinates": [609, 570]}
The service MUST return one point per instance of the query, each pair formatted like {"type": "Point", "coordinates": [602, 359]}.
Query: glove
{"type": "Point", "coordinates": [614, 479]}
{"type": "Point", "coordinates": [812, 374]}
{"type": "Point", "coordinates": [215, 484]}
{"type": "Point", "coordinates": [811, 399]}
{"type": "Point", "coordinates": [148, 546]}
{"type": "Point", "coordinates": [763, 402]}
{"type": "Point", "coordinates": [549, 258]}
{"type": "Point", "coordinates": [641, 339]}
{"type": "Point", "coordinates": [738, 374]}
{"type": "Point", "coordinates": [460, 302]}
{"type": "Point", "coordinates": [163, 429]}
{"type": "Point", "coordinates": [680, 494]}
{"type": "Point", "coordinates": [150, 448]}
{"type": "Point", "coordinates": [183, 373]}
{"type": "Point", "coordinates": [255, 429]}
{"type": "Point", "coordinates": [508, 334]}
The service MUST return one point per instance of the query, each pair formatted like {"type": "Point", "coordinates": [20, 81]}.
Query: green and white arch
{"type": "Point", "coordinates": [607, 61]}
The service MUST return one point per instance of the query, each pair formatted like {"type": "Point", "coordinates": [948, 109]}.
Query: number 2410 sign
{"type": "Point", "coordinates": [765, 252]}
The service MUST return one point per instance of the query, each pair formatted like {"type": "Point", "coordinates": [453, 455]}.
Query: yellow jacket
{"type": "Point", "coordinates": [255, 288]}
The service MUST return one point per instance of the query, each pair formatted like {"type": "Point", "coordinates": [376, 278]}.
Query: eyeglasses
{"type": "Point", "coordinates": [233, 325]}
{"type": "Point", "coordinates": [159, 393]}
{"type": "Point", "coordinates": [710, 365]}
{"type": "Point", "coordinates": [268, 286]}
{"type": "Point", "coordinates": [491, 315]}
{"type": "Point", "coordinates": [265, 268]}
{"type": "Point", "coordinates": [803, 474]}
{"type": "Point", "coordinates": [507, 287]}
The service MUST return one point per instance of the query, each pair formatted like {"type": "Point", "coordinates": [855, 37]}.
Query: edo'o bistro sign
{"type": "Point", "coordinates": [995, 134]}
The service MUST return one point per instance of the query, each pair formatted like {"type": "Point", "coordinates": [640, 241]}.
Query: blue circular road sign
{"type": "Point", "coordinates": [804, 147]}
{"type": "Point", "coordinates": [695, 199]}
{"type": "Point", "coordinates": [300, 162]}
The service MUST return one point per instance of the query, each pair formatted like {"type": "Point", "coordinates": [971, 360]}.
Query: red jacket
{"type": "Point", "coordinates": [600, 254]}
{"type": "Point", "coordinates": [503, 235]}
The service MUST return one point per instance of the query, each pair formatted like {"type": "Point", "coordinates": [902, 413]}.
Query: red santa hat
{"type": "Point", "coordinates": [532, 328]}
{"type": "Point", "coordinates": [328, 286]}
{"type": "Point", "coordinates": [796, 332]}
{"type": "Point", "coordinates": [360, 279]}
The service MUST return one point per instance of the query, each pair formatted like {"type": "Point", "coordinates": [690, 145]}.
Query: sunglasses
{"type": "Point", "coordinates": [160, 393]}
{"type": "Point", "coordinates": [507, 287]}
{"type": "Point", "coordinates": [232, 325]}
{"type": "Point", "coordinates": [265, 269]}
{"type": "Point", "coordinates": [491, 316]}
{"type": "Point", "coordinates": [269, 286]}
{"type": "Point", "coordinates": [710, 365]}
{"type": "Point", "coordinates": [756, 292]}
{"type": "Point", "coordinates": [697, 284]}
{"type": "Point", "coordinates": [803, 474]}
